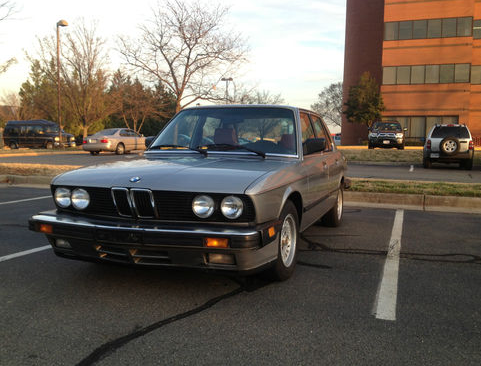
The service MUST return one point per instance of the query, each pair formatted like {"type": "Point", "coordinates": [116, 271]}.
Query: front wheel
{"type": "Point", "coordinates": [287, 243]}
{"type": "Point", "coordinates": [334, 217]}
{"type": "Point", "coordinates": [49, 145]}
{"type": "Point", "coordinates": [13, 145]}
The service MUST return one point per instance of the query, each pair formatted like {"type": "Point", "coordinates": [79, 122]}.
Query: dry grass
{"type": "Point", "coordinates": [415, 187]}
{"type": "Point", "coordinates": [34, 169]}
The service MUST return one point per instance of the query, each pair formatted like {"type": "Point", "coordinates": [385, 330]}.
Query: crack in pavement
{"type": "Point", "coordinates": [247, 284]}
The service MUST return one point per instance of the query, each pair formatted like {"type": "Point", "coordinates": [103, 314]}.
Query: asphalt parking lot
{"type": "Point", "coordinates": [387, 287]}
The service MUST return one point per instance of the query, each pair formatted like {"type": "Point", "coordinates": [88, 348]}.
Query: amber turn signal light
{"type": "Point", "coordinates": [216, 242]}
{"type": "Point", "coordinates": [272, 231]}
{"type": "Point", "coordinates": [45, 228]}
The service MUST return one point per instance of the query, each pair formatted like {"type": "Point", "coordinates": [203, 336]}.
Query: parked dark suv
{"type": "Point", "coordinates": [34, 133]}
{"type": "Point", "coordinates": [386, 134]}
{"type": "Point", "coordinates": [449, 144]}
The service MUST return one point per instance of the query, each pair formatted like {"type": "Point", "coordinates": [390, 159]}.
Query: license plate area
{"type": "Point", "coordinates": [434, 155]}
{"type": "Point", "coordinates": [386, 142]}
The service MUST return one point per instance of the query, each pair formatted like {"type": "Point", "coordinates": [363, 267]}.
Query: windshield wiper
{"type": "Point", "coordinates": [233, 147]}
{"type": "Point", "coordinates": [180, 147]}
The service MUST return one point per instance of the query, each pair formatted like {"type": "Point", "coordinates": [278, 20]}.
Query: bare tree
{"type": "Point", "coordinates": [7, 9]}
{"type": "Point", "coordinates": [255, 96]}
{"type": "Point", "coordinates": [10, 109]}
{"type": "Point", "coordinates": [83, 73]}
{"type": "Point", "coordinates": [186, 48]}
{"type": "Point", "coordinates": [329, 104]}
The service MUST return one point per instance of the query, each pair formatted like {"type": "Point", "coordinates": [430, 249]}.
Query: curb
{"type": "Point", "coordinates": [419, 202]}
{"type": "Point", "coordinates": [42, 153]}
{"type": "Point", "coordinates": [26, 179]}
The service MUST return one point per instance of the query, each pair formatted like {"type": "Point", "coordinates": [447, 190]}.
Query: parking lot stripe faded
{"type": "Point", "coordinates": [25, 200]}
{"type": "Point", "coordinates": [25, 252]}
{"type": "Point", "coordinates": [386, 299]}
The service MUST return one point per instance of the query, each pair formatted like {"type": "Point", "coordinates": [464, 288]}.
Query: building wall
{"type": "Point", "coordinates": [363, 52]}
{"type": "Point", "coordinates": [415, 101]}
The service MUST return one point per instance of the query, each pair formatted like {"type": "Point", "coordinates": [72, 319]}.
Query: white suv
{"type": "Point", "coordinates": [449, 144]}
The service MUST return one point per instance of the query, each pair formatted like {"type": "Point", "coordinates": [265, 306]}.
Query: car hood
{"type": "Point", "coordinates": [187, 174]}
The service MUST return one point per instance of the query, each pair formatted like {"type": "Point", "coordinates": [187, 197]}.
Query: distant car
{"type": "Point", "coordinates": [35, 133]}
{"type": "Point", "coordinates": [386, 134]}
{"type": "Point", "coordinates": [224, 188]}
{"type": "Point", "coordinates": [118, 140]}
{"type": "Point", "coordinates": [148, 140]}
{"type": "Point", "coordinates": [449, 143]}
{"type": "Point", "coordinates": [336, 138]}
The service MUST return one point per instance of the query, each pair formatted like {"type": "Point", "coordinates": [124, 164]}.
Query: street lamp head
{"type": "Point", "coordinates": [62, 23]}
{"type": "Point", "coordinates": [227, 79]}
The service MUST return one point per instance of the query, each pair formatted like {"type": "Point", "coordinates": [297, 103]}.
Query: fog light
{"type": "Point", "coordinates": [45, 228]}
{"type": "Point", "coordinates": [216, 242]}
{"type": "Point", "coordinates": [221, 258]}
{"type": "Point", "coordinates": [62, 243]}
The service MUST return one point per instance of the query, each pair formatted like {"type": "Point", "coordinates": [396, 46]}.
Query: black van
{"type": "Point", "coordinates": [34, 133]}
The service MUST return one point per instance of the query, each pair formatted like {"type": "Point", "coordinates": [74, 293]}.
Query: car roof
{"type": "Point", "coordinates": [32, 121]}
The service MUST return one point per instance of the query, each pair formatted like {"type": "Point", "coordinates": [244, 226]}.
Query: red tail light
{"type": "Point", "coordinates": [85, 141]}
{"type": "Point", "coordinates": [104, 141]}
{"type": "Point", "coordinates": [428, 144]}
{"type": "Point", "coordinates": [471, 145]}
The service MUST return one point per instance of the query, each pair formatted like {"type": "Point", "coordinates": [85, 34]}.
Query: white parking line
{"type": "Point", "coordinates": [386, 299]}
{"type": "Point", "coordinates": [411, 169]}
{"type": "Point", "coordinates": [25, 252]}
{"type": "Point", "coordinates": [25, 200]}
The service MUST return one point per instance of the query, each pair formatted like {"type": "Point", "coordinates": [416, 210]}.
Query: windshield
{"type": "Point", "coordinates": [387, 126]}
{"type": "Point", "coordinates": [260, 129]}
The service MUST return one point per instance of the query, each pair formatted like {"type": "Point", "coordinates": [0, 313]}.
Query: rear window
{"type": "Point", "coordinates": [455, 131]}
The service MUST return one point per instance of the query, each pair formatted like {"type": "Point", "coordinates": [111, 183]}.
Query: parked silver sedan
{"type": "Point", "coordinates": [119, 140]}
{"type": "Point", "coordinates": [226, 188]}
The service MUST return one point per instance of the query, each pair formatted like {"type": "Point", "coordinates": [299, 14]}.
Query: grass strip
{"type": "Point", "coordinates": [416, 187]}
{"type": "Point", "coordinates": [392, 155]}
{"type": "Point", "coordinates": [34, 169]}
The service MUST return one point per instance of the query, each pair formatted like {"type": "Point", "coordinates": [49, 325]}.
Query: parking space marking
{"type": "Point", "coordinates": [386, 299]}
{"type": "Point", "coordinates": [411, 169]}
{"type": "Point", "coordinates": [25, 200]}
{"type": "Point", "coordinates": [25, 252]}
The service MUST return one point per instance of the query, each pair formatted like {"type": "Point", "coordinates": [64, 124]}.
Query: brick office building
{"type": "Point", "coordinates": [426, 56]}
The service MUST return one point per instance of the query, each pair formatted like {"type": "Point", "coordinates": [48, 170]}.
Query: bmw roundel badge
{"type": "Point", "coordinates": [135, 179]}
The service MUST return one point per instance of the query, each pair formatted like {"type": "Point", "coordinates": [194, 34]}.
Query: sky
{"type": "Point", "coordinates": [296, 47]}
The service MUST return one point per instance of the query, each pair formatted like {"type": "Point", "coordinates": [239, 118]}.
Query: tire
{"type": "Point", "coordinates": [467, 164]}
{"type": "Point", "coordinates": [120, 149]}
{"type": "Point", "coordinates": [334, 217]}
{"type": "Point", "coordinates": [287, 243]}
{"type": "Point", "coordinates": [49, 145]}
{"type": "Point", "coordinates": [449, 145]}
{"type": "Point", "coordinates": [427, 163]}
{"type": "Point", "coordinates": [94, 152]}
{"type": "Point", "coordinates": [370, 146]}
{"type": "Point", "coordinates": [401, 147]}
{"type": "Point", "coordinates": [13, 145]}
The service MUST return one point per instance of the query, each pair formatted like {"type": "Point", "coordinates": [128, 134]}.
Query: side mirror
{"type": "Point", "coordinates": [311, 146]}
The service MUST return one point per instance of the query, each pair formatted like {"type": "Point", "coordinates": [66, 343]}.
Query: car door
{"type": "Point", "coordinates": [332, 157]}
{"type": "Point", "coordinates": [315, 167]}
{"type": "Point", "coordinates": [126, 139]}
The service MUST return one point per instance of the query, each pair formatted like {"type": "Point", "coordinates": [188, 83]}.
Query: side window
{"type": "Point", "coordinates": [306, 127]}
{"type": "Point", "coordinates": [123, 133]}
{"type": "Point", "coordinates": [321, 132]}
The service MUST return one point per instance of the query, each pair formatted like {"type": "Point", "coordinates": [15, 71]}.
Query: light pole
{"type": "Point", "coordinates": [60, 23]}
{"type": "Point", "coordinates": [227, 88]}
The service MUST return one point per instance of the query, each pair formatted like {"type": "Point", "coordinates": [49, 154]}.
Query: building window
{"type": "Point", "coordinates": [389, 75]}
{"type": "Point", "coordinates": [391, 31]}
{"type": "Point", "coordinates": [434, 28]}
{"type": "Point", "coordinates": [449, 27]}
{"type": "Point", "coordinates": [420, 29]}
{"type": "Point", "coordinates": [403, 75]}
{"type": "Point", "coordinates": [446, 73]}
{"type": "Point", "coordinates": [417, 74]}
{"type": "Point", "coordinates": [475, 74]}
{"type": "Point", "coordinates": [406, 30]}
{"type": "Point", "coordinates": [464, 27]}
{"type": "Point", "coordinates": [477, 29]}
{"type": "Point", "coordinates": [432, 74]}
{"type": "Point", "coordinates": [461, 73]}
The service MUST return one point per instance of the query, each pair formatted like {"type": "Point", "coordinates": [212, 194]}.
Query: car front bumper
{"type": "Point", "coordinates": [386, 142]}
{"type": "Point", "coordinates": [157, 244]}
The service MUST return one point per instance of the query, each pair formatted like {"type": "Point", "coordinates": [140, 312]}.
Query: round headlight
{"type": "Point", "coordinates": [80, 198]}
{"type": "Point", "coordinates": [203, 206]}
{"type": "Point", "coordinates": [62, 197]}
{"type": "Point", "coordinates": [232, 207]}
